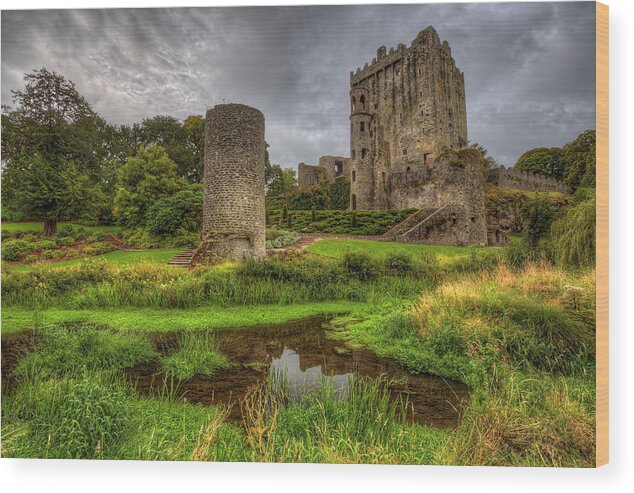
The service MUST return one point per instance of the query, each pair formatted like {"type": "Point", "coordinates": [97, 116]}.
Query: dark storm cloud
{"type": "Point", "coordinates": [529, 67]}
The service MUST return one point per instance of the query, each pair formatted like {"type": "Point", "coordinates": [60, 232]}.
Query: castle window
{"type": "Point", "coordinates": [338, 167]}
{"type": "Point", "coordinates": [404, 152]}
{"type": "Point", "coordinates": [354, 175]}
{"type": "Point", "coordinates": [363, 152]}
{"type": "Point", "coordinates": [354, 103]}
{"type": "Point", "coordinates": [352, 154]}
{"type": "Point", "coordinates": [362, 126]}
{"type": "Point", "coordinates": [353, 200]}
{"type": "Point", "coordinates": [383, 176]}
{"type": "Point", "coordinates": [362, 102]}
{"type": "Point", "coordinates": [408, 169]}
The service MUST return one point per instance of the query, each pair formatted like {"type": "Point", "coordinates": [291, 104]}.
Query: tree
{"type": "Point", "coordinates": [50, 143]}
{"type": "Point", "coordinates": [50, 191]}
{"type": "Point", "coordinates": [580, 157]}
{"type": "Point", "coordinates": [142, 180]}
{"type": "Point", "coordinates": [280, 180]}
{"type": "Point", "coordinates": [181, 212]}
{"type": "Point", "coordinates": [184, 142]}
{"type": "Point", "coordinates": [544, 161]}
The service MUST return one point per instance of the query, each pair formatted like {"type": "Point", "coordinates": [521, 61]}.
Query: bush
{"type": "Point", "coordinates": [573, 236]}
{"type": "Point", "coordinates": [361, 265]}
{"type": "Point", "coordinates": [538, 214]}
{"type": "Point", "coordinates": [15, 249]}
{"type": "Point", "coordinates": [30, 258]}
{"type": "Point", "coordinates": [44, 245]}
{"type": "Point", "coordinates": [52, 254]}
{"type": "Point", "coordinates": [280, 238]}
{"type": "Point", "coordinates": [399, 262]}
{"type": "Point", "coordinates": [63, 241]}
{"type": "Point", "coordinates": [179, 212]}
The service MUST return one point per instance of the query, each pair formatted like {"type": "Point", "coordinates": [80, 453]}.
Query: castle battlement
{"type": "Point", "coordinates": [523, 180]}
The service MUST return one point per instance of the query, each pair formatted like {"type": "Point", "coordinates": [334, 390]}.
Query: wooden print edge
{"type": "Point", "coordinates": [602, 245]}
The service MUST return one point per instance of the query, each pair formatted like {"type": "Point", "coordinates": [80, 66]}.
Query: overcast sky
{"type": "Point", "coordinates": [529, 67]}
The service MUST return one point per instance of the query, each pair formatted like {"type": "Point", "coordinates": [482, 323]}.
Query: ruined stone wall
{"type": "Point", "coordinates": [329, 169]}
{"type": "Point", "coordinates": [521, 180]}
{"type": "Point", "coordinates": [309, 175]}
{"type": "Point", "coordinates": [454, 178]}
{"type": "Point", "coordinates": [233, 204]}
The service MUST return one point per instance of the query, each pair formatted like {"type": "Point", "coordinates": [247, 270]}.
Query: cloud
{"type": "Point", "coordinates": [529, 68]}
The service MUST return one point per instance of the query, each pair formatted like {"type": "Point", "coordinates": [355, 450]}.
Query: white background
{"type": "Point", "coordinates": [70, 476]}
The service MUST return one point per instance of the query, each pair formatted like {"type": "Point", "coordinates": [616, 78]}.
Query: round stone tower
{"type": "Point", "coordinates": [361, 169]}
{"type": "Point", "coordinates": [233, 205]}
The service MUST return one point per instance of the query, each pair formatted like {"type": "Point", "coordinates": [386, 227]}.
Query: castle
{"type": "Point", "coordinates": [408, 138]}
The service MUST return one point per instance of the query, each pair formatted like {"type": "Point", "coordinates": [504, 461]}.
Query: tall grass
{"type": "Point", "coordinates": [72, 350]}
{"type": "Point", "coordinates": [198, 355]}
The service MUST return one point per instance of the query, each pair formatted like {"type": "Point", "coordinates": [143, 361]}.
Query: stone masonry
{"type": "Point", "coordinates": [233, 207]}
{"type": "Point", "coordinates": [408, 146]}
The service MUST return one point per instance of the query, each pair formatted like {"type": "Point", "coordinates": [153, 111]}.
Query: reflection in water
{"type": "Point", "coordinates": [299, 382]}
{"type": "Point", "coordinates": [303, 354]}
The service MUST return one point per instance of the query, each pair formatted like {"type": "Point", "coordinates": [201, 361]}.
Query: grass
{"type": "Point", "coordinates": [337, 248]}
{"type": "Point", "coordinates": [198, 354]}
{"type": "Point", "coordinates": [521, 337]}
{"type": "Point", "coordinates": [38, 227]}
{"type": "Point", "coordinates": [16, 319]}
{"type": "Point", "coordinates": [120, 257]}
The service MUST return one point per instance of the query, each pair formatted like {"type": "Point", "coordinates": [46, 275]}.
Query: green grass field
{"type": "Point", "coordinates": [119, 257]}
{"type": "Point", "coordinates": [39, 227]}
{"type": "Point", "coordinates": [337, 247]}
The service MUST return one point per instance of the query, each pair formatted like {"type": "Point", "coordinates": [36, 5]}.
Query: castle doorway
{"type": "Point", "coordinates": [353, 202]}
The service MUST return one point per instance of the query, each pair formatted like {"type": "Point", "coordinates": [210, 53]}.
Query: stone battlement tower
{"type": "Point", "coordinates": [233, 203]}
{"type": "Point", "coordinates": [407, 107]}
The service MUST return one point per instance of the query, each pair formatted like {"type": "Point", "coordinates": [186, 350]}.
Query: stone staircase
{"type": "Point", "coordinates": [183, 259]}
{"type": "Point", "coordinates": [407, 224]}
{"type": "Point", "coordinates": [306, 240]}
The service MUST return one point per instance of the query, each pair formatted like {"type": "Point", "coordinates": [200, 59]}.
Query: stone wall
{"type": "Point", "coordinates": [328, 170]}
{"type": "Point", "coordinates": [454, 179]}
{"type": "Point", "coordinates": [521, 180]}
{"type": "Point", "coordinates": [233, 203]}
{"type": "Point", "coordinates": [416, 97]}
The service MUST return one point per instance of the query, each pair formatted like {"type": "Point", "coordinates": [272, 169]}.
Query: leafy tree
{"type": "Point", "coordinates": [543, 161]}
{"type": "Point", "coordinates": [538, 214]}
{"type": "Point", "coordinates": [280, 180]}
{"type": "Point", "coordinates": [51, 142]}
{"type": "Point", "coordinates": [142, 180]}
{"type": "Point", "coordinates": [180, 212]}
{"type": "Point", "coordinates": [50, 191]}
{"type": "Point", "coordinates": [183, 142]}
{"type": "Point", "coordinates": [580, 157]}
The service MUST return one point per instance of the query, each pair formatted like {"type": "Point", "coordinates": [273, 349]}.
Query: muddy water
{"type": "Point", "coordinates": [304, 354]}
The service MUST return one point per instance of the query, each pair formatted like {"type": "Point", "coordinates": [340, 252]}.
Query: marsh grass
{"type": "Point", "coordinates": [71, 350]}
{"type": "Point", "coordinates": [198, 354]}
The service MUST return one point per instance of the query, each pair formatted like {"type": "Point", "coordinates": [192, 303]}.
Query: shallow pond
{"type": "Point", "coordinates": [305, 356]}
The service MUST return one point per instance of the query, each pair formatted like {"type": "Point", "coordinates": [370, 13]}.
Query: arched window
{"type": "Point", "coordinates": [362, 101]}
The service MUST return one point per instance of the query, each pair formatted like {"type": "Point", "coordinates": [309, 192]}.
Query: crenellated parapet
{"type": "Point", "coordinates": [523, 180]}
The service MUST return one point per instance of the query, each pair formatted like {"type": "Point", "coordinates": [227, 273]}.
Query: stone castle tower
{"type": "Point", "coordinates": [233, 203]}
{"type": "Point", "coordinates": [406, 108]}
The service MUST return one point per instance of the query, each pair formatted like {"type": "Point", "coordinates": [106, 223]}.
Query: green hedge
{"type": "Point", "coordinates": [338, 222]}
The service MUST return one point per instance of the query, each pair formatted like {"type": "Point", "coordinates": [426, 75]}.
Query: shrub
{"type": "Point", "coordinates": [64, 241]}
{"type": "Point", "coordinates": [52, 254]}
{"type": "Point", "coordinates": [399, 262]}
{"type": "Point", "coordinates": [179, 212]}
{"type": "Point", "coordinates": [44, 245]}
{"type": "Point", "coordinates": [280, 238]}
{"type": "Point", "coordinates": [538, 215]}
{"type": "Point", "coordinates": [30, 258]}
{"type": "Point", "coordinates": [15, 249]}
{"type": "Point", "coordinates": [361, 265]}
{"type": "Point", "coordinates": [573, 236]}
